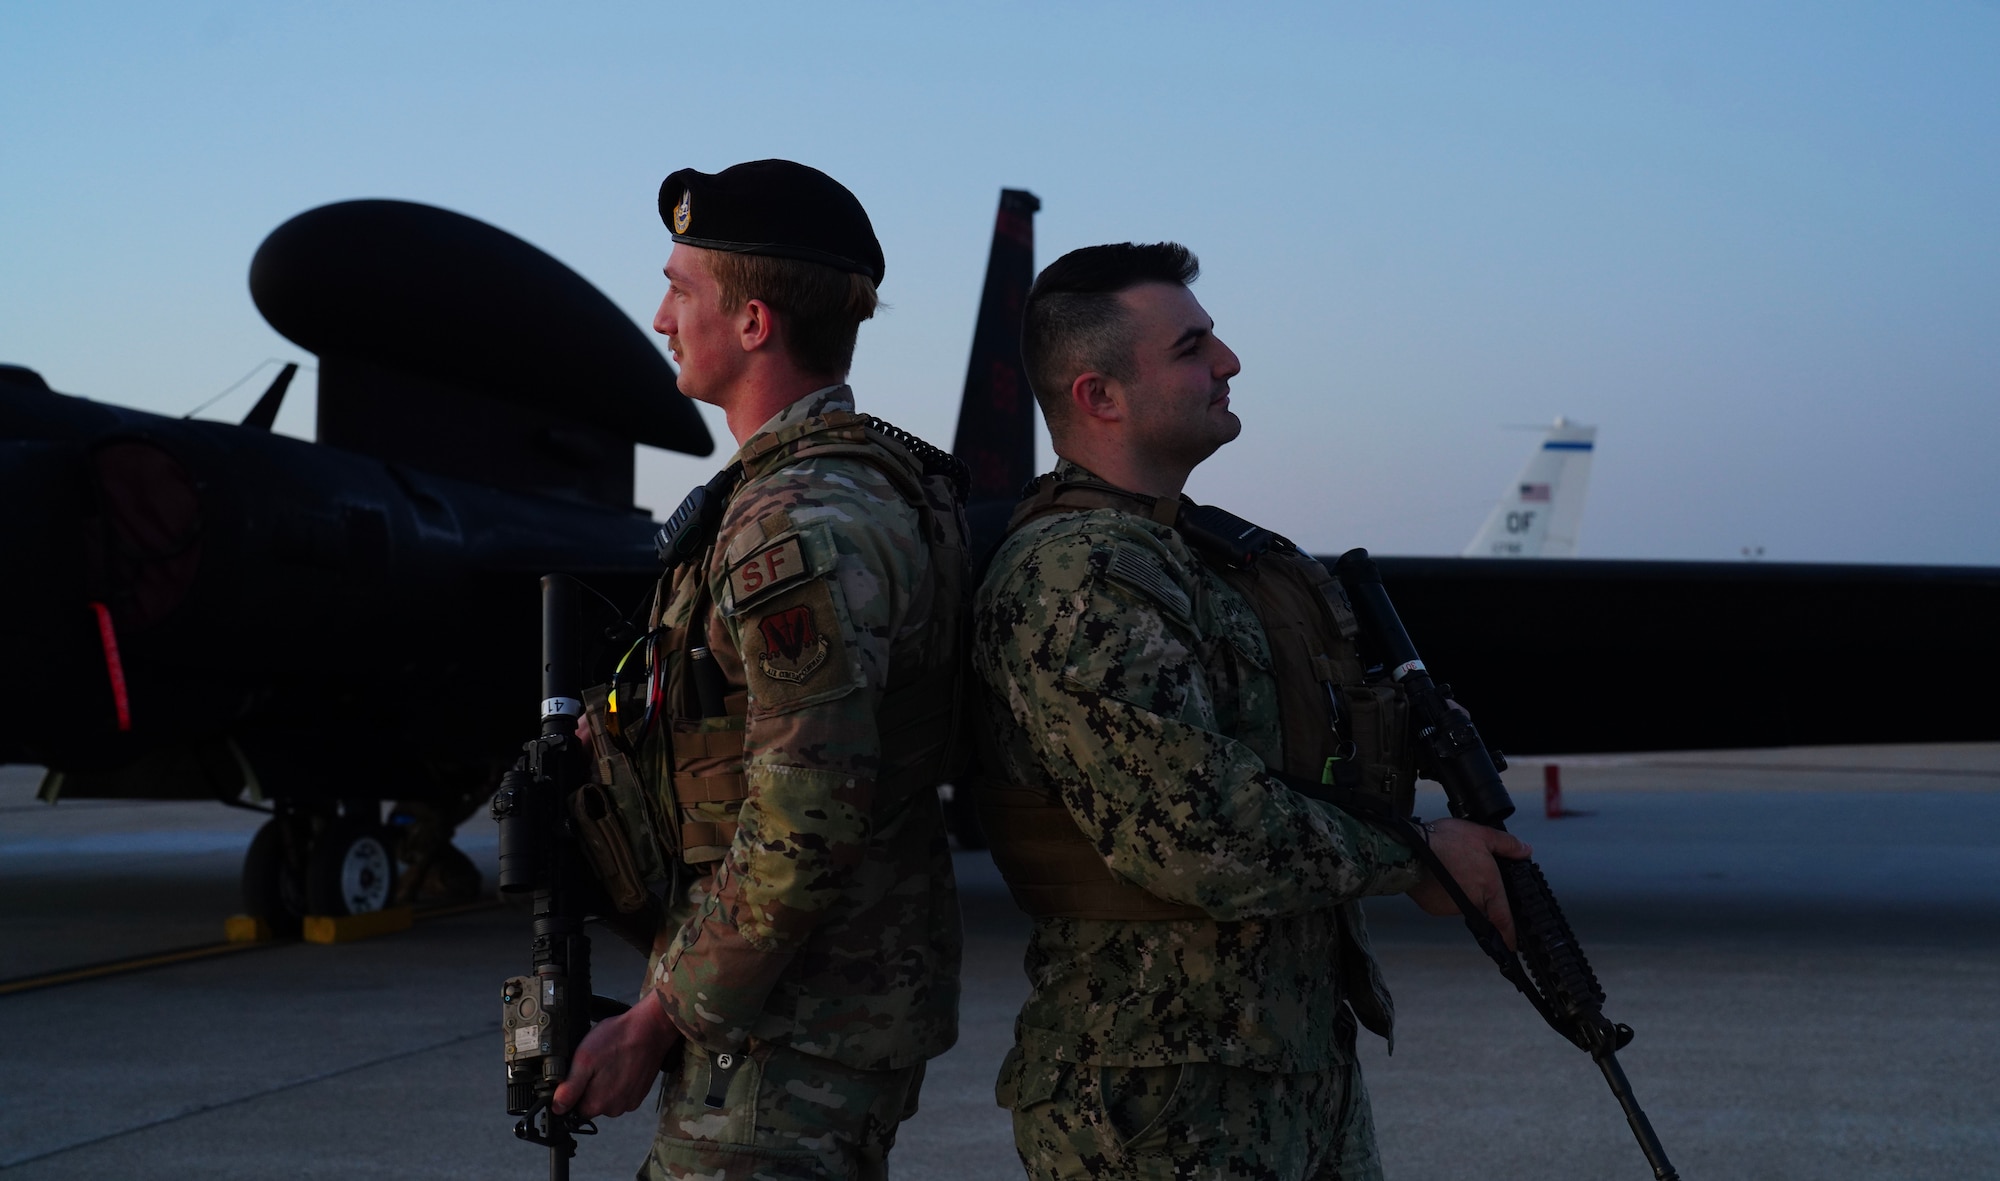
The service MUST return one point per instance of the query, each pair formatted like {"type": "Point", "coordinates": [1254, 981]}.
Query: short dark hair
{"type": "Point", "coordinates": [821, 307]}
{"type": "Point", "coordinates": [1074, 323]}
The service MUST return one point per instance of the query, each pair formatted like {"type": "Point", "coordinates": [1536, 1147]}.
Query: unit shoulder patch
{"type": "Point", "coordinates": [795, 649]}
{"type": "Point", "coordinates": [767, 570]}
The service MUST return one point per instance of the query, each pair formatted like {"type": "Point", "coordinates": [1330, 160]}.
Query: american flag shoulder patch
{"type": "Point", "coordinates": [1143, 573]}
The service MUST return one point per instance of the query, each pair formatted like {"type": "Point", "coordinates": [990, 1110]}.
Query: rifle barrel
{"type": "Point", "coordinates": [1642, 1128]}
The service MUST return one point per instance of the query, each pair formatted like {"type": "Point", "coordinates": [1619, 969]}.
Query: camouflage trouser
{"type": "Point", "coordinates": [1194, 1120]}
{"type": "Point", "coordinates": [784, 1115]}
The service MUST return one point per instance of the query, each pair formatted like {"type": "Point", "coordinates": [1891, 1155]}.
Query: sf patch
{"type": "Point", "coordinates": [793, 648]}
{"type": "Point", "coordinates": [766, 571]}
{"type": "Point", "coordinates": [795, 652]}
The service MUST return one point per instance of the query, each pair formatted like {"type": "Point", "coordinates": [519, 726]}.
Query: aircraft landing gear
{"type": "Point", "coordinates": [274, 875]}
{"type": "Point", "coordinates": [351, 870]}
{"type": "Point", "coordinates": [321, 862]}
{"type": "Point", "coordinates": [435, 871]}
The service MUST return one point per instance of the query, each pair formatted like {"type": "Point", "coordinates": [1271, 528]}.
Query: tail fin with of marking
{"type": "Point", "coordinates": [1540, 512]}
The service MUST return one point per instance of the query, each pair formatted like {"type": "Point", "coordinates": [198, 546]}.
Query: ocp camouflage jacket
{"type": "Point", "coordinates": [830, 921]}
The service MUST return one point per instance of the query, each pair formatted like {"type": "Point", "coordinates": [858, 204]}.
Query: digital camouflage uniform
{"type": "Point", "coordinates": [816, 969]}
{"type": "Point", "coordinates": [1121, 671]}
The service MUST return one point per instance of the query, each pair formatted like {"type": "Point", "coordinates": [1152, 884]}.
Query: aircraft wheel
{"type": "Point", "coordinates": [274, 886]}
{"type": "Point", "coordinates": [351, 871]}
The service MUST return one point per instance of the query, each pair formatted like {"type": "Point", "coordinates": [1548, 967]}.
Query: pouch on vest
{"type": "Point", "coordinates": [707, 782]}
{"type": "Point", "coordinates": [1376, 718]}
{"type": "Point", "coordinates": [1301, 608]}
{"type": "Point", "coordinates": [601, 831]}
{"type": "Point", "coordinates": [693, 764]}
{"type": "Point", "coordinates": [615, 816]}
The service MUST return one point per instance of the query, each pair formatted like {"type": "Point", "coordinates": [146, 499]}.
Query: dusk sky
{"type": "Point", "coordinates": [1758, 245]}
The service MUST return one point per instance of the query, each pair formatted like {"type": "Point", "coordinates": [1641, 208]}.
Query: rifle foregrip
{"type": "Point", "coordinates": [1547, 944]}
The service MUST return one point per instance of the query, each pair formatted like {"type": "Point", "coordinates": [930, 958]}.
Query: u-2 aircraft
{"type": "Point", "coordinates": [205, 610]}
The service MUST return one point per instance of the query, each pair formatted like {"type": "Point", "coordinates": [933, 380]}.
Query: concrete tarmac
{"type": "Point", "coordinates": [1806, 942]}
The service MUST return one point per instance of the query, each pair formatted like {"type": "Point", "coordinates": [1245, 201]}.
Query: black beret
{"type": "Point", "coordinates": [773, 207]}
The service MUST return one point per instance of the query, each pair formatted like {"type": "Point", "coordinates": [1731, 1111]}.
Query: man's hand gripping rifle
{"type": "Point", "coordinates": [547, 1013]}
{"type": "Point", "coordinates": [1563, 988]}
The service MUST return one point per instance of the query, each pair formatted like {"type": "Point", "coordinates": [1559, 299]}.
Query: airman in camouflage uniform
{"type": "Point", "coordinates": [812, 964]}
{"type": "Point", "coordinates": [1193, 1010]}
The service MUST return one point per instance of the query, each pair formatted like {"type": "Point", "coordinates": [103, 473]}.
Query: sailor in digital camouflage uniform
{"type": "Point", "coordinates": [808, 655]}
{"type": "Point", "coordinates": [1198, 963]}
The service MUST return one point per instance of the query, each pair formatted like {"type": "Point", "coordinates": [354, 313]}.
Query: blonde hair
{"type": "Point", "coordinates": [821, 308]}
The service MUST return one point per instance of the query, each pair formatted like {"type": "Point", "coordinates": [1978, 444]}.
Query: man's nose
{"type": "Point", "coordinates": [1226, 365]}
{"type": "Point", "coordinates": [663, 320]}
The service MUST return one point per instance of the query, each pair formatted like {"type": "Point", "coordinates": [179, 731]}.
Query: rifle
{"type": "Point", "coordinates": [1563, 990]}
{"type": "Point", "coordinates": [546, 1014]}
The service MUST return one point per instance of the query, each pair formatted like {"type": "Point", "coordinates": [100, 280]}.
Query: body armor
{"type": "Point", "coordinates": [676, 785]}
{"type": "Point", "coordinates": [1340, 725]}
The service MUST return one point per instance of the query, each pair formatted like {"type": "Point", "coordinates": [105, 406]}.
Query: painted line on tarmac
{"type": "Point", "coordinates": [158, 959]}
{"type": "Point", "coordinates": [293, 1085]}
{"type": "Point", "coordinates": [162, 959]}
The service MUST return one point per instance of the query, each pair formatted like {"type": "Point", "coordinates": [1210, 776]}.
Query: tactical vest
{"type": "Point", "coordinates": [677, 795]}
{"type": "Point", "coordinates": [1337, 723]}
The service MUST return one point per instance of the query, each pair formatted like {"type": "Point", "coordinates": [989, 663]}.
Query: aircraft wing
{"type": "Point", "coordinates": [1574, 656]}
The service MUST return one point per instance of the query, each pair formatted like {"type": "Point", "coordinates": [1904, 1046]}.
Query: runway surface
{"type": "Point", "coordinates": [1806, 942]}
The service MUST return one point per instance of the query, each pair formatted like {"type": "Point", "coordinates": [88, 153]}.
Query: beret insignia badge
{"type": "Point", "coordinates": [683, 211]}
{"type": "Point", "coordinates": [794, 649]}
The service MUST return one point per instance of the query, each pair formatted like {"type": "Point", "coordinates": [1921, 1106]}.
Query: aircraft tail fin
{"type": "Point", "coordinates": [996, 417]}
{"type": "Point", "coordinates": [1540, 512]}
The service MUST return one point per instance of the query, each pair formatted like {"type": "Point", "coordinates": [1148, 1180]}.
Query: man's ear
{"type": "Point", "coordinates": [1094, 395]}
{"type": "Point", "coordinates": [755, 326]}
